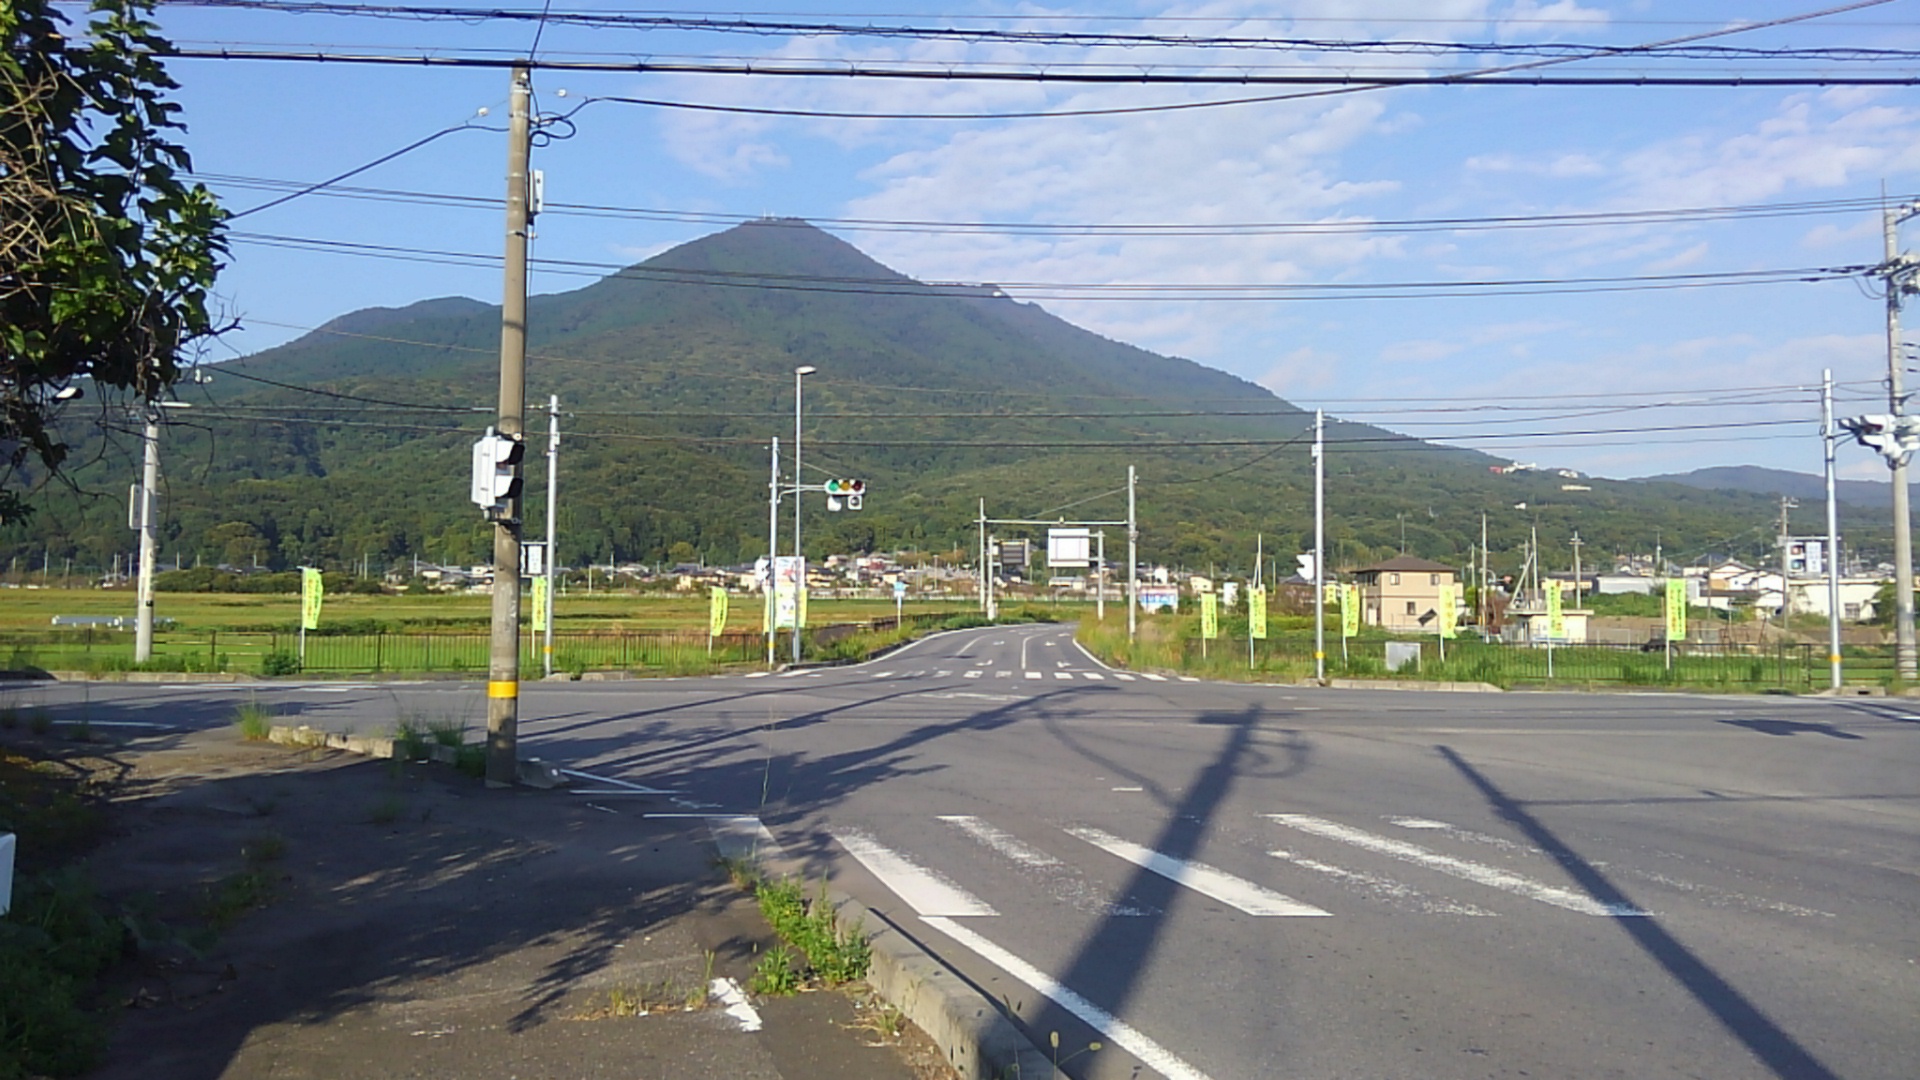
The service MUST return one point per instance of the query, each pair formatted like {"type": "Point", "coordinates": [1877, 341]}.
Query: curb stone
{"type": "Point", "coordinates": [970, 1028]}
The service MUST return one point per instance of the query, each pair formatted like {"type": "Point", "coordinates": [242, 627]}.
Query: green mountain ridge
{"type": "Point", "coordinates": [351, 442]}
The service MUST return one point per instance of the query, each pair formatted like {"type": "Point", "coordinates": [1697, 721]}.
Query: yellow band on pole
{"type": "Point", "coordinates": [503, 689]}
{"type": "Point", "coordinates": [1319, 656]}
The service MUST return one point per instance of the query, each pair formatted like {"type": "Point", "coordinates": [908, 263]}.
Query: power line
{"type": "Point", "coordinates": [1143, 229]}
{"type": "Point", "coordinates": [902, 286]}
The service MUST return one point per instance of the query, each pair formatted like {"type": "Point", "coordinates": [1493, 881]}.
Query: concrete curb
{"type": "Point", "coordinates": [149, 676]}
{"type": "Point", "coordinates": [533, 772]}
{"type": "Point", "coordinates": [969, 1027]}
{"type": "Point", "coordinates": [1408, 684]}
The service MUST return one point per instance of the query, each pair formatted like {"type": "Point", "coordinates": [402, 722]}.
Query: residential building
{"type": "Point", "coordinates": [1403, 593]}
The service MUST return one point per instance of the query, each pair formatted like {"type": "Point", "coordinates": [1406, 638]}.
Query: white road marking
{"type": "Point", "coordinates": [1033, 674]}
{"type": "Point", "coordinates": [1003, 674]}
{"type": "Point", "coordinates": [742, 837]}
{"type": "Point", "coordinates": [1383, 888]}
{"type": "Point", "coordinates": [1201, 878]}
{"type": "Point", "coordinates": [975, 673]}
{"type": "Point", "coordinates": [1134, 787]}
{"type": "Point", "coordinates": [758, 674]}
{"type": "Point", "coordinates": [1123, 678]}
{"type": "Point", "coordinates": [1050, 644]}
{"type": "Point", "coordinates": [928, 893]}
{"type": "Point", "coordinates": [1418, 823]}
{"type": "Point", "coordinates": [1061, 663]}
{"type": "Point", "coordinates": [884, 674]}
{"type": "Point", "coordinates": [1478, 873]}
{"type": "Point", "coordinates": [1114, 1030]}
{"type": "Point", "coordinates": [637, 789]}
{"type": "Point", "coordinates": [941, 674]}
{"type": "Point", "coordinates": [737, 1005]}
{"type": "Point", "coordinates": [1151, 676]}
{"type": "Point", "coordinates": [1001, 841]}
{"type": "Point", "coordinates": [1068, 675]}
{"type": "Point", "coordinates": [1094, 675]}
{"type": "Point", "coordinates": [1189, 678]}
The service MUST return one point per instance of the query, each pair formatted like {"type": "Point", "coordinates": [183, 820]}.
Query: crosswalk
{"type": "Point", "coordinates": [977, 673]}
{"type": "Point", "coordinates": [1281, 865]}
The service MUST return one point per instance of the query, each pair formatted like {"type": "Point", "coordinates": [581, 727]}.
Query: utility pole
{"type": "Point", "coordinates": [1575, 543]}
{"type": "Point", "coordinates": [503, 667]}
{"type": "Point", "coordinates": [1133, 560]}
{"type": "Point", "coordinates": [1898, 274]}
{"type": "Point", "coordinates": [553, 488]}
{"type": "Point", "coordinates": [984, 607]}
{"type": "Point", "coordinates": [1485, 605]}
{"type": "Point", "coordinates": [1100, 578]}
{"type": "Point", "coordinates": [1320, 547]}
{"type": "Point", "coordinates": [799, 558]}
{"type": "Point", "coordinates": [773, 544]}
{"type": "Point", "coordinates": [149, 479]}
{"type": "Point", "coordinates": [1786, 593]}
{"type": "Point", "coordinates": [1827, 433]}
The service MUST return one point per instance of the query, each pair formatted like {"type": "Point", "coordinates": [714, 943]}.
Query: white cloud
{"type": "Point", "coordinates": [1302, 370]}
{"type": "Point", "coordinates": [1679, 260]}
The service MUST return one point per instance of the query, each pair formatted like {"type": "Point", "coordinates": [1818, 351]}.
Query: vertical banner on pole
{"type": "Point", "coordinates": [1448, 612]}
{"type": "Point", "coordinates": [542, 605]}
{"type": "Point", "coordinates": [1556, 616]}
{"type": "Point", "coordinates": [1676, 609]}
{"type": "Point", "coordinates": [717, 612]}
{"type": "Point", "coordinates": [1349, 610]}
{"type": "Point", "coordinates": [1257, 612]}
{"type": "Point", "coordinates": [786, 593]}
{"type": "Point", "coordinates": [1209, 616]}
{"type": "Point", "coordinates": [311, 592]}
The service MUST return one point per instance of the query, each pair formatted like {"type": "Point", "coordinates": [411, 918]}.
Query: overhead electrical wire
{"type": "Point", "coordinates": [1586, 219]}
{"type": "Point", "coordinates": [1083, 291]}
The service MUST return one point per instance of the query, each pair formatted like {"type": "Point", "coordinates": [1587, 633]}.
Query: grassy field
{"type": "Point", "coordinates": [34, 609]}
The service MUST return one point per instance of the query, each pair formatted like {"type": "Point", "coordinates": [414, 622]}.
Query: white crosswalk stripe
{"type": "Point", "coordinates": [1478, 873]}
{"type": "Point", "coordinates": [927, 892]}
{"type": "Point", "coordinates": [1034, 674]}
{"type": "Point", "coordinates": [1094, 675]}
{"type": "Point", "coordinates": [1150, 675]}
{"type": "Point", "coordinates": [1247, 896]}
{"type": "Point", "coordinates": [1003, 674]}
{"type": "Point", "coordinates": [1068, 675]}
{"type": "Point", "coordinates": [1123, 678]}
{"type": "Point", "coordinates": [975, 673]}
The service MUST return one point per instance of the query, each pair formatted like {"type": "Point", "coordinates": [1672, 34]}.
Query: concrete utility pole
{"type": "Point", "coordinates": [1575, 544]}
{"type": "Point", "coordinates": [1897, 275]}
{"type": "Point", "coordinates": [983, 558]}
{"type": "Point", "coordinates": [149, 478]}
{"type": "Point", "coordinates": [553, 488]}
{"type": "Point", "coordinates": [1133, 560]}
{"type": "Point", "coordinates": [1827, 433]}
{"type": "Point", "coordinates": [799, 560]}
{"type": "Point", "coordinates": [503, 667]}
{"type": "Point", "coordinates": [1786, 594]}
{"type": "Point", "coordinates": [773, 543]}
{"type": "Point", "coordinates": [1319, 546]}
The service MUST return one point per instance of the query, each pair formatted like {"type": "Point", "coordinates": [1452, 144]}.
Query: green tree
{"type": "Point", "coordinates": [106, 254]}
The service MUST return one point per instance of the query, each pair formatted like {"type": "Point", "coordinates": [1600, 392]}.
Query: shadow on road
{"type": "Point", "coordinates": [1742, 1019]}
{"type": "Point", "coordinates": [1791, 727]}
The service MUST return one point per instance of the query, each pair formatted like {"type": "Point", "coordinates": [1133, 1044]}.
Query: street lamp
{"type": "Point", "coordinates": [799, 560]}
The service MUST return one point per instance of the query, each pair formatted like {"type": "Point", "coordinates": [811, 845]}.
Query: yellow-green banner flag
{"type": "Point", "coordinates": [1349, 610]}
{"type": "Point", "coordinates": [1448, 613]}
{"type": "Point", "coordinates": [717, 612]}
{"type": "Point", "coordinates": [542, 604]}
{"type": "Point", "coordinates": [1676, 609]}
{"type": "Point", "coordinates": [1257, 612]}
{"type": "Point", "coordinates": [311, 591]}
{"type": "Point", "coordinates": [803, 606]}
{"type": "Point", "coordinates": [1209, 616]}
{"type": "Point", "coordinates": [1556, 617]}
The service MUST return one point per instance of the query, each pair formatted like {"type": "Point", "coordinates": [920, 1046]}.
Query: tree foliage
{"type": "Point", "coordinates": [107, 254]}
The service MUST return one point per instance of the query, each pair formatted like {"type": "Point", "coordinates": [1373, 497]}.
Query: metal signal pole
{"type": "Point", "coordinates": [503, 667]}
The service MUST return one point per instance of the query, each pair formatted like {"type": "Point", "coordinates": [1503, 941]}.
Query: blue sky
{"type": "Point", "coordinates": [1706, 355]}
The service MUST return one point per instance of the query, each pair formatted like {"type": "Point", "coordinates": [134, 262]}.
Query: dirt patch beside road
{"type": "Point", "coordinates": [309, 913]}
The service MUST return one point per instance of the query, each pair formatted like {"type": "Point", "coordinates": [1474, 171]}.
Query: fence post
{"type": "Point", "coordinates": [213, 650]}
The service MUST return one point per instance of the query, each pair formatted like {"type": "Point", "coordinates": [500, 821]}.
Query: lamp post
{"type": "Point", "coordinates": [799, 561]}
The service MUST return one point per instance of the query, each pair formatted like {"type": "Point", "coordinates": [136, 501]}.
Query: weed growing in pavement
{"type": "Point", "coordinates": [447, 732]}
{"type": "Point", "coordinates": [80, 731]}
{"type": "Point", "coordinates": [264, 848]}
{"type": "Point", "coordinates": [254, 721]}
{"type": "Point", "coordinates": [410, 739]}
{"type": "Point", "coordinates": [9, 717]}
{"type": "Point", "coordinates": [236, 894]}
{"type": "Point", "coordinates": [57, 938]}
{"type": "Point", "coordinates": [40, 723]}
{"type": "Point", "coordinates": [1053, 1039]}
{"type": "Point", "coordinates": [833, 954]}
{"type": "Point", "coordinates": [471, 761]}
{"type": "Point", "coordinates": [774, 975]}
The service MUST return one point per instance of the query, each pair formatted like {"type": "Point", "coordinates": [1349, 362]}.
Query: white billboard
{"type": "Point", "coordinates": [1069, 547]}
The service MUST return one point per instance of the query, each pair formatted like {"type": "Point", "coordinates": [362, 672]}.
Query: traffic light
{"type": "Point", "coordinates": [1895, 437]}
{"type": "Point", "coordinates": [845, 492]}
{"type": "Point", "coordinates": [496, 471]}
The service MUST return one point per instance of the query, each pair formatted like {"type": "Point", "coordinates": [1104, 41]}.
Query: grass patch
{"type": "Point", "coordinates": [236, 894]}
{"type": "Point", "coordinates": [666, 995]}
{"type": "Point", "coordinates": [817, 947]}
{"type": "Point", "coordinates": [471, 760]}
{"type": "Point", "coordinates": [253, 721]}
{"type": "Point", "coordinates": [58, 938]}
{"type": "Point", "coordinates": [387, 810]}
{"type": "Point", "coordinates": [411, 739]}
{"type": "Point", "coordinates": [447, 732]}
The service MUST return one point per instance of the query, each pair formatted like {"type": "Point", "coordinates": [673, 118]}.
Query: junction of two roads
{"type": "Point", "coordinates": [1242, 882]}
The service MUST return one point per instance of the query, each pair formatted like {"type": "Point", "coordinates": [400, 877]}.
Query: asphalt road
{"type": "Point", "coordinates": [1243, 882]}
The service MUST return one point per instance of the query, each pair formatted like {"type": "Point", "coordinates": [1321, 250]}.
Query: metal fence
{"type": "Point", "coordinates": [99, 649]}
